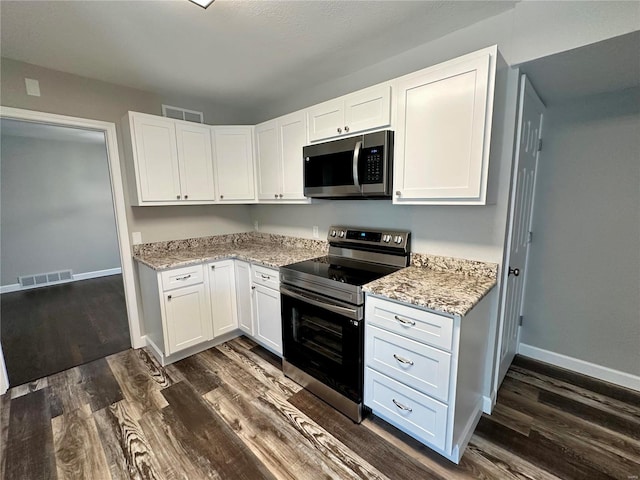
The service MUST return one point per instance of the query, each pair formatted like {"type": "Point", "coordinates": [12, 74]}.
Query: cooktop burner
{"type": "Point", "coordinates": [343, 270]}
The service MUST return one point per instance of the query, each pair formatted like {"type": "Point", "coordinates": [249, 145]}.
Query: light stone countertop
{"type": "Point", "coordinates": [444, 284]}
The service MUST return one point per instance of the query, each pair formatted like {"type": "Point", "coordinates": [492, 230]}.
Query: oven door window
{"type": "Point", "coordinates": [326, 345]}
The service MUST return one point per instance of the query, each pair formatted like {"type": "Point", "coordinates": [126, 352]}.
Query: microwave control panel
{"type": "Point", "coordinates": [373, 165]}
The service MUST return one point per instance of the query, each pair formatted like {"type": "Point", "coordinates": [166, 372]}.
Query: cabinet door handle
{"type": "Point", "coordinates": [275, 195]}
{"type": "Point", "coordinates": [186, 196]}
{"type": "Point", "coordinates": [178, 197]}
{"type": "Point", "coordinates": [339, 130]}
{"type": "Point", "coordinates": [401, 406]}
{"type": "Point", "coordinates": [403, 321]}
{"type": "Point", "coordinates": [221, 197]}
{"type": "Point", "coordinates": [184, 278]}
{"type": "Point", "coordinates": [253, 287]}
{"type": "Point", "coordinates": [168, 297]}
{"type": "Point", "coordinates": [403, 360]}
{"type": "Point", "coordinates": [346, 129]}
{"type": "Point", "coordinates": [398, 193]}
{"type": "Point", "coordinates": [281, 195]}
{"type": "Point", "coordinates": [213, 267]}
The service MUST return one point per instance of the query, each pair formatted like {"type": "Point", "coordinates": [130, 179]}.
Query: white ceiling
{"type": "Point", "coordinates": [237, 51]}
{"type": "Point", "coordinates": [606, 66]}
{"type": "Point", "coordinates": [42, 131]}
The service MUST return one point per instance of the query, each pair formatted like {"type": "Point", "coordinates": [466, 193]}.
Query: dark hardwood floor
{"type": "Point", "coordinates": [229, 413]}
{"type": "Point", "coordinates": [50, 329]}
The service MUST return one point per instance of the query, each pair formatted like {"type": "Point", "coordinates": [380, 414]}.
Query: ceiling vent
{"type": "Point", "coordinates": [182, 114]}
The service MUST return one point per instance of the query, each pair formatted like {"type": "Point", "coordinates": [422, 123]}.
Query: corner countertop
{"type": "Point", "coordinates": [443, 284]}
{"type": "Point", "coordinates": [265, 249]}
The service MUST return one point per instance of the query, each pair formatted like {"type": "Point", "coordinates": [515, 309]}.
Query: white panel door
{"type": "Point", "coordinates": [233, 154]}
{"type": "Point", "coordinates": [268, 318]}
{"type": "Point", "coordinates": [293, 136]}
{"type": "Point", "coordinates": [326, 120]}
{"type": "Point", "coordinates": [188, 317]}
{"type": "Point", "coordinates": [440, 136]}
{"type": "Point", "coordinates": [269, 166]}
{"type": "Point", "coordinates": [243, 297]}
{"type": "Point", "coordinates": [222, 294]}
{"type": "Point", "coordinates": [196, 162]}
{"type": "Point", "coordinates": [531, 114]}
{"type": "Point", "coordinates": [157, 159]}
{"type": "Point", "coordinates": [367, 109]}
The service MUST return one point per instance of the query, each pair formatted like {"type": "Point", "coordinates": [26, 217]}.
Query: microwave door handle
{"type": "Point", "coordinates": [356, 157]}
{"type": "Point", "coordinates": [347, 312]}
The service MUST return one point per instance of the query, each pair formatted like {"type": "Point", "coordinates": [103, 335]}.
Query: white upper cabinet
{"type": "Point", "coordinates": [196, 162]}
{"type": "Point", "coordinates": [233, 160]}
{"type": "Point", "coordinates": [279, 159]}
{"type": "Point", "coordinates": [443, 132]}
{"type": "Point", "coordinates": [366, 109]}
{"type": "Point", "coordinates": [156, 158]}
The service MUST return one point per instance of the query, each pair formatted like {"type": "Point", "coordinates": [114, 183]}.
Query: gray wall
{"type": "Point", "coordinates": [57, 210]}
{"type": "Point", "coordinates": [67, 94]}
{"type": "Point", "coordinates": [583, 285]}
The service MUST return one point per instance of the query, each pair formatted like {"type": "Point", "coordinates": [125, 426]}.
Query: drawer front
{"type": "Point", "coordinates": [425, 327]}
{"type": "Point", "coordinates": [268, 277]}
{"type": "Point", "coordinates": [415, 364]}
{"type": "Point", "coordinates": [182, 277]}
{"type": "Point", "coordinates": [411, 411]}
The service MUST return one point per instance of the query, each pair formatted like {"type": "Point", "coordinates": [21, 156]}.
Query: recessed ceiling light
{"type": "Point", "coordinates": [202, 3]}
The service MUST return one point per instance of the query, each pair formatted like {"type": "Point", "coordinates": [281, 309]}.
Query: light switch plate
{"type": "Point", "coordinates": [136, 238]}
{"type": "Point", "coordinates": [33, 87]}
{"type": "Point", "coordinates": [315, 232]}
{"type": "Point", "coordinates": [256, 225]}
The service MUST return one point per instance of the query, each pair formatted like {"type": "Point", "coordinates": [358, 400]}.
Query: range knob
{"type": "Point", "coordinates": [398, 239]}
{"type": "Point", "coordinates": [342, 233]}
{"type": "Point", "coordinates": [333, 233]}
{"type": "Point", "coordinates": [386, 238]}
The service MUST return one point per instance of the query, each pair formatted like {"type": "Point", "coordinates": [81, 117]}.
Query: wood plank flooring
{"type": "Point", "coordinates": [229, 413]}
{"type": "Point", "coordinates": [50, 329]}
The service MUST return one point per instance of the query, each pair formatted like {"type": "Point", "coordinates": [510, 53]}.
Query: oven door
{"type": "Point", "coordinates": [325, 339]}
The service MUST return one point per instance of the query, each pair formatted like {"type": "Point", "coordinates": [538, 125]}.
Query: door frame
{"type": "Point", "coordinates": [117, 192]}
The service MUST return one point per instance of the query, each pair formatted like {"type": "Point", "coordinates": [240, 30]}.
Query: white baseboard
{"type": "Point", "coordinates": [15, 287]}
{"type": "Point", "coordinates": [488, 403]}
{"type": "Point", "coordinates": [580, 366]}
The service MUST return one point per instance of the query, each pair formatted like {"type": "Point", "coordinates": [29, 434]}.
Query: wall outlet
{"type": "Point", "coordinates": [33, 87]}
{"type": "Point", "coordinates": [256, 226]}
{"type": "Point", "coordinates": [315, 232]}
{"type": "Point", "coordinates": [136, 238]}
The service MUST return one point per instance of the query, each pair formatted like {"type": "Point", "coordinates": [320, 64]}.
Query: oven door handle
{"type": "Point", "coordinates": [346, 311]}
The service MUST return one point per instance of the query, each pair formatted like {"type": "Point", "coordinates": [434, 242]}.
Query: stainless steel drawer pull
{"type": "Point", "coordinates": [403, 321]}
{"type": "Point", "coordinates": [401, 406]}
{"type": "Point", "coordinates": [184, 278]}
{"type": "Point", "coordinates": [403, 360]}
{"type": "Point", "coordinates": [266, 277]}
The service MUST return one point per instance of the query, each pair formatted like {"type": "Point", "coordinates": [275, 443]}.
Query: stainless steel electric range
{"type": "Point", "coordinates": [323, 312]}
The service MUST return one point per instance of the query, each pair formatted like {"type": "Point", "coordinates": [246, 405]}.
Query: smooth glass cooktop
{"type": "Point", "coordinates": [342, 269]}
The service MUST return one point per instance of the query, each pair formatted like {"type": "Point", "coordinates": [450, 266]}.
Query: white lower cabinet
{"type": "Point", "coordinates": [188, 318]}
{"type": "Point", "coordinates": [244, 297]}
{"type": "Point", "coordinates": [266, 310]}
{"type": "Point", "coordinates": [425, 372]}
{"type": "Point", "coordinates": [222, 294]}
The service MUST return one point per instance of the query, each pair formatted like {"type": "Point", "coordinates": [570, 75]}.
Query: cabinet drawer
{"type": "Point", "coordinates": [265, 276]}
{"type": "Point", "coordinates": [181, 277]}
{"type": "Point", "coordinates": [425, 327]}
{"type": "Point", "coordinates": [415, 364]}
{"type": "Point", "coordinates": [413, 412]}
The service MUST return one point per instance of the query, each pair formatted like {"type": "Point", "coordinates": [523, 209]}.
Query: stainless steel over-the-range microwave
{"type": "Point", "coordinates": [356, 167]}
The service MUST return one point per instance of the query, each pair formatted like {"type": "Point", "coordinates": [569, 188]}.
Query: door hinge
{"type": "Point", "coordinates": [530, 237]}
{"type": "Point", "coordinates": [520, 320]}
{"type": "Point", "coordinates": [539, 144]}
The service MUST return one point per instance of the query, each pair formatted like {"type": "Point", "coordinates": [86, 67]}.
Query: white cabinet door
{"type": "Point", "coordinates": [268, 319]}
{"type": "Point", "coordinates": [222, 294]}
{"type": "Point", "coordinates": [243, 297]}
{"type": "Point", "coordinates": [196, 162]}
{"type": "Point", "coordinates": [293, 136]}
{"type": "Point", "coordinates": [268, 164]}
{"type": "Point", "coordinates": [443, 132]}
{"type": "Point", "coordinates": [156, 163]}
{"type": "Point", "coordinates": [188, 317]}
{"type": "Point", "coordinates": [367, 109]}
{"type": "Point", "coordinates": [326, 120]}
{"type": "Point", "coordinates": [233, 154]}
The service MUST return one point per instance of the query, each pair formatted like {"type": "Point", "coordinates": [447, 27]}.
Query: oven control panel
{"type": "Point", "coordinates": [394, 239]}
